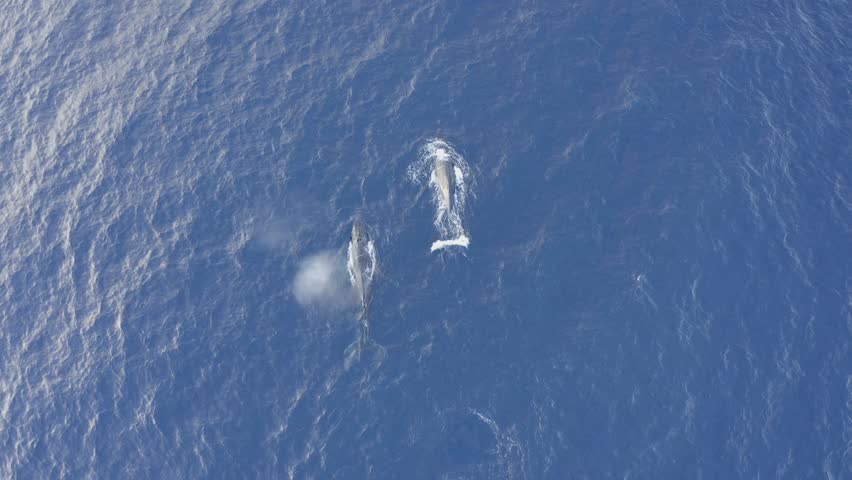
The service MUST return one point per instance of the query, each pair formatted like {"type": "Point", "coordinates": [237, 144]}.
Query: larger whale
{"type": "Point", "coordinates": [361, 262]}
{"type": "Point", "coordinates": [362, 268]}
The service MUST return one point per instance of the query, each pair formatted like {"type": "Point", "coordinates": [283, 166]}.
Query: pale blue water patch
{"type": "Point", "coordinates": [659, 207]}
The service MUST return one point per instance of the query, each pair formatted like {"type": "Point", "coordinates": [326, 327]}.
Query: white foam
{"type": "Point", "coordinates": [461, 241]}
{"type": "Point", "coordinates": [350, 266]}
{"type": "Point", "coordinates": [441, 154]}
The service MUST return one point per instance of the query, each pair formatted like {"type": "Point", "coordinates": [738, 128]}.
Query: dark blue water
{"type": "Point", "coordinates": [659, 209]}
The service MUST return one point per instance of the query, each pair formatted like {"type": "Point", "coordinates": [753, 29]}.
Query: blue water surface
{"type": "Point", "coordinates": [659, 206]}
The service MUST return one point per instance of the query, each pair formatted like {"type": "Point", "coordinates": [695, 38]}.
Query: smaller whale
{"type": "Point", "coordinates": [444, 175]}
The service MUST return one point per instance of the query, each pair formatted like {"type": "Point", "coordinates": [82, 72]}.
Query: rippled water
{"type": "Point", "coordinates": [659, 211]}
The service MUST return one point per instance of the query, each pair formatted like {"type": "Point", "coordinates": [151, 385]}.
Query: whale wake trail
{"type": "Point", "coordinates": [442, 168]}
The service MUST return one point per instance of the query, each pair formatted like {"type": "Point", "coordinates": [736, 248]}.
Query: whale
{"type": "Point", "coordinates": [361, 262]}
{"type": "Point", "coordinates": [442, 170]}
{"type": "Point", "coordinates": [444, 175]}
{"type": "Point", "coordinates": [362, 268]}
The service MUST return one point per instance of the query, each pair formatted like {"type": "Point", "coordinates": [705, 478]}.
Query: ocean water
{"type": "Point", "coordinates": [658, 203]}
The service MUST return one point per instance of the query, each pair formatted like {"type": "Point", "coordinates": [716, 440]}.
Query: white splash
{"type": "Point", "coordinates": [448, 218]}
{"type": "Point", "coordinates": [462, 241]}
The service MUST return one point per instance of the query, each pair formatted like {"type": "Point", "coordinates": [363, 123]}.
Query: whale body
{"type": "Point", "coordinates": [361, 262]}
{"type": "Point", "coordinates": [445, 179]}
{"type": "Point", "coordinates": [362, 268]}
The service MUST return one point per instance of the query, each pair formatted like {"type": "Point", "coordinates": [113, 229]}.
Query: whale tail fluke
{"type": "Point", "coordinates": [362, 343]}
